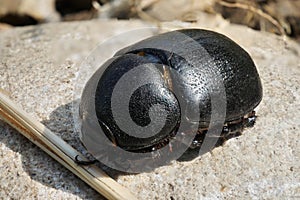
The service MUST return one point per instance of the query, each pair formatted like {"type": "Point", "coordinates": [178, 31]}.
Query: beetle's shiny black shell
{"type": "Point", "coordinates": [238, 72]}
{"type": "Point", "coordinates": [142, 99]}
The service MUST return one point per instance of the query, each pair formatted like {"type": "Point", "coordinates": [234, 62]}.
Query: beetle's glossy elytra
{"type": "Point", "coordinates": [183, 64]}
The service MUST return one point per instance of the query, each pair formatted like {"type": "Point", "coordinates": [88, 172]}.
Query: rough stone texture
{"type": "Point", "coordinates": [40, 69]}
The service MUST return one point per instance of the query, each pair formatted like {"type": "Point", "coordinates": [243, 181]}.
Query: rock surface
{"type": "Point", "coordinates": [40, 69]}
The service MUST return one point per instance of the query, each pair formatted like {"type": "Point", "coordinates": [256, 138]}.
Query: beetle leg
{"type": "Point", "coordinates": [81, 162]}
{"type": "Point", "coordinates": [230, 130]}
{"type": "Point", "coordinates": [170, 57]}
{"type": "Point", "coordinates": [250, 120]}
{"type": "Point", "coordinates": [170, 147]}
{"type": "Point", "coordinates": [111, 135]}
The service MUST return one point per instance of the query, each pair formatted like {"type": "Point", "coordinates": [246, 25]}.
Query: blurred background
{"type": "Point", "coordinates": [280, 17]}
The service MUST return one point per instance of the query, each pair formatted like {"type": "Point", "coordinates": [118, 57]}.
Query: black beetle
{"type": "Point", "coordinates": [184, 61]}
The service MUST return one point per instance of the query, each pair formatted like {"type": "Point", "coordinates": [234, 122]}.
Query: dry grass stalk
{"type": "Point", "coordinates": [60, 150]}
